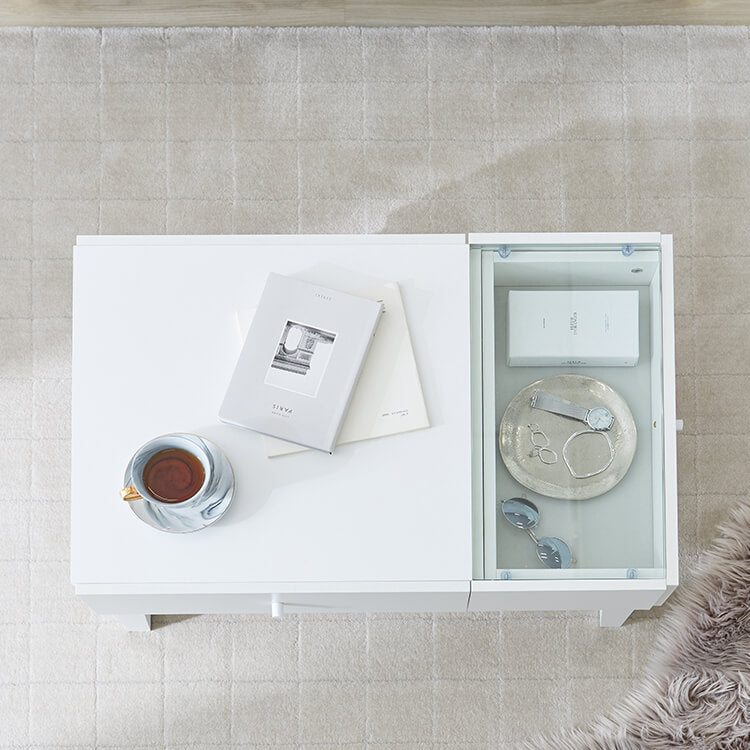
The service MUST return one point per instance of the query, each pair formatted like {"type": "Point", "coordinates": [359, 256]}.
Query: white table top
{"type": "Point", "coordinates": [155, 341]}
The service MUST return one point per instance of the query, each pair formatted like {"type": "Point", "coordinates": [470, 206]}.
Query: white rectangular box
{"type": "Point", "coordinates": [572, 328]}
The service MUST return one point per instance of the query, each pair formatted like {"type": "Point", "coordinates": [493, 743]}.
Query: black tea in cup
{"type": "Point", "coordinates": [173, 475]}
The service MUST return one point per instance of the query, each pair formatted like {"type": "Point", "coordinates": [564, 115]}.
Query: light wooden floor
{"type": "Point", "coordinates": [371, 12]}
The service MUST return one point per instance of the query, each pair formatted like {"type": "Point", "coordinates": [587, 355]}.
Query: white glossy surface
{"type": "Point", "coordinates": [155, 344]}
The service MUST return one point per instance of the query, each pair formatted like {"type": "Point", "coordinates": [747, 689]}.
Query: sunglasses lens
{"type": "Point", "coordinates": [521, 513]}
{"type": "Point", "coordinates": [553, 552]}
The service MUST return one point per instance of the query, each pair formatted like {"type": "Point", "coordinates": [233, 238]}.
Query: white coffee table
{"type": "Point", "coordinates": [403, 523]}
{"type": "Point", "coordinates": [383, 524]}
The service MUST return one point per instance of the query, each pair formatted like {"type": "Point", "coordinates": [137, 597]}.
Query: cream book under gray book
{"type": "Point", "coordinates": [300, 362]}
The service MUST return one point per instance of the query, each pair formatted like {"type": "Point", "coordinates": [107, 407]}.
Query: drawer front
{"type": "Point", "coordinates": [281, 602]}
{"type": "Point", "coordinates": [491, 596]}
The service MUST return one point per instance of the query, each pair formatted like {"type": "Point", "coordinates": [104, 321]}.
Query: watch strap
{"type": "Point", "coordinates": [557, 405]}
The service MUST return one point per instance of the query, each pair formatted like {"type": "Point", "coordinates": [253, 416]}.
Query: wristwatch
{"type": "Point", "coordinates": [598, 418]}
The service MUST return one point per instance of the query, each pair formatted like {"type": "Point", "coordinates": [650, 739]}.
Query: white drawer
{"type": "Point", "coordinates": [276, 599]}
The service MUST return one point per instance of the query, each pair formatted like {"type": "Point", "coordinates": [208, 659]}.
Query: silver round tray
{"type": "Point", "coordinates": [587, 452]}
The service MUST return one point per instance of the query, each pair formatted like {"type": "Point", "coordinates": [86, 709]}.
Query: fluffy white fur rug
{"type": "Point", "coordinates": [698, 694]}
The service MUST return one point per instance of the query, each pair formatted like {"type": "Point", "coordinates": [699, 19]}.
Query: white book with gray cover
{"type": "Point", "coordinates": [300, 362]}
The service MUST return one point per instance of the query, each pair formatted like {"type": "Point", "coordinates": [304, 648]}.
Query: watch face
{"type": "Point", "coordinates": [600, 418]}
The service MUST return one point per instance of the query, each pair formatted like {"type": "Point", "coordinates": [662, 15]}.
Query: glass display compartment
{"type": "Point", "coordinates": [572, 444]}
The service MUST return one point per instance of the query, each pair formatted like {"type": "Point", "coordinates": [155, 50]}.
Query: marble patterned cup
{"type": "Point", "coordinates": [203, 507]}
{"type": "Point", "coordinates": [190, 444]}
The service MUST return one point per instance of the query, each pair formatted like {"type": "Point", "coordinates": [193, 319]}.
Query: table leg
{"type": "Point", "coordinates": [613, 618]}
{"type": "Point", "coordinates": [136, 623]}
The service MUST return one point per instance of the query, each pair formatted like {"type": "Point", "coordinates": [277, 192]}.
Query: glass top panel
{"type": "Point", "coordinates": [572, 374]}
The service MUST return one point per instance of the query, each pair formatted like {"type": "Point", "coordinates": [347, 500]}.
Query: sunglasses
{"type": "Point", "coordinates": [523, 514]}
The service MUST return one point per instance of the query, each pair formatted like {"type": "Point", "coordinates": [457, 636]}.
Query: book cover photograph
{"type": "Point", "coordinates": [301, 358]}
{"type": "Point", "coordinates": [300, 362]}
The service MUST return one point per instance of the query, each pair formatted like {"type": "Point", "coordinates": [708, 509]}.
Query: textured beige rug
{"type": "Point", "coordinates": [697, 694]}
{"type": "Point", "coordinates": [350, 130]}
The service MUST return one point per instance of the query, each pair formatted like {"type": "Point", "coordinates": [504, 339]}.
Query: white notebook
{"type": "Point", "coordinates": [299, 364]}
{"type": "Point", "coordinates": [388, 397]}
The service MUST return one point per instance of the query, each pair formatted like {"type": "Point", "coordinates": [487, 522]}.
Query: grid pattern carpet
{"type": "Point", "coordinates": [349, 130]}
